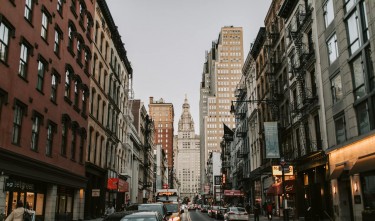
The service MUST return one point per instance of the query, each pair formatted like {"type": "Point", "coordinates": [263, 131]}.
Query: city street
{"type": "Point", "coordinates": [196, 215]}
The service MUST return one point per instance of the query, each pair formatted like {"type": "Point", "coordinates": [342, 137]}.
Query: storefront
{"type": "Point", "coordinates": [54, 193]}
{"type": "Point", "coordinates": [95, 191]}
{"type": "Point", "coordinates": [352, 174]}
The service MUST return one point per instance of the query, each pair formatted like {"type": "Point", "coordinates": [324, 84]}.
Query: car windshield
{"type": "Point", "coordinates": [172, 207]}
{"type": "Point", "coordinates": [238, 209]}
{"type": "Point", "coordinates": [157, 208]}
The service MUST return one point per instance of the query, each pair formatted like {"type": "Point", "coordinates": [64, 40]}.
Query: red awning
{"type": "Point", "coordinates": [233, 193]}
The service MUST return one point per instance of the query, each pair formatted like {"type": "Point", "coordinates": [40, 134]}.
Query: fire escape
{"type": "Point", "coordinates": [305, 99]}
{"type": "Point", "coordinates": [241, 143]}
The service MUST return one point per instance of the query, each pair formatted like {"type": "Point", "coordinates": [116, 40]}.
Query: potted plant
{"type": "Point", "coordinates": [368, 214]}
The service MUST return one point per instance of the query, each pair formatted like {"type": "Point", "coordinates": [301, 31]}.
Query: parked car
{"type": "Point", "coordinates": [212, 211]}
{"type": "Point", "coordinates": [235, 213]}
{"type": "Point", "coordinates": [143, 216]}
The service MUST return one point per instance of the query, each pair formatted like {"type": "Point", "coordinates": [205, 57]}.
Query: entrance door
{"type": "Point", "coordinates": [346, 206]}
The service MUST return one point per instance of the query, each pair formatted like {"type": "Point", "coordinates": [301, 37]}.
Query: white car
{"type": "Point", "coordinates": [236, 213]}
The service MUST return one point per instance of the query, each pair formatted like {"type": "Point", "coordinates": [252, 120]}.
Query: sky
{"type": "Point", "coordinates": [166, 41]}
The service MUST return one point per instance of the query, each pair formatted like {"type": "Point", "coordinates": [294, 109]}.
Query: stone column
{"type": "Point", "coordinates": [79, 204]}
{"type": "Point", "coordinates": [51, 197]}
{"type": "Point", "coordinates": [2, 193]}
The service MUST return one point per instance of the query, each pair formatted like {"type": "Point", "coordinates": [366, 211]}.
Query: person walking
{"type": "Point", "coordinates": [110, 209]}
{"type": "Point", "coordinates": [256, 211]}
{"type": "Point", "coordinates": [19, 213]}
{"type": "Point", "coordinates": [269, 210]}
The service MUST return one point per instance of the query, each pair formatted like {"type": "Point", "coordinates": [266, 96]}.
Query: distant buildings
{"type": "Point", "coordinates": [221, 74]}
{"type": "Point", "coordinates": [162, 114]}
{"type": "Point", "coordinates": [187, 158]}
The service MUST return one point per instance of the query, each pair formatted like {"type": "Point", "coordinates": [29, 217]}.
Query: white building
{"type": "Point", "coordinates": [187, 154]}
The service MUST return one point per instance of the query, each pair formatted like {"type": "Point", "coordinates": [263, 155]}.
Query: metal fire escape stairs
{"type": "Point", "coordinates": [305, 99]}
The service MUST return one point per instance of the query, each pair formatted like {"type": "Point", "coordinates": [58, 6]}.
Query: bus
{"type": "Point", "coordinates": [171, 199]}
{"type": "Point", "coordinates": [167, 195]}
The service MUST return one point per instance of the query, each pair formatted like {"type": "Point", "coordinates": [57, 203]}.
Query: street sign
{"type": "Point", "coordinates": [95, 192]}
{"type": "Point", "coordinates": [276, 170]}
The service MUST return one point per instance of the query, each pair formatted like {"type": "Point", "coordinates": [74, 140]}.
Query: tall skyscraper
{"type": "Point", "coordinates": [221, 74]}
{"type": "Point", "coordinates": [187, 162]}
{"type": "Point", "coordinates": [163, 115]}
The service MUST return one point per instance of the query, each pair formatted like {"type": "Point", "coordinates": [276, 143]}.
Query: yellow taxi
{"type": "Point", "coordinates": [173, 208]}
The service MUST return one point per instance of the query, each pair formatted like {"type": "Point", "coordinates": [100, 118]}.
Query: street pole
{"type": "Point", "coordinates": [285, 210]}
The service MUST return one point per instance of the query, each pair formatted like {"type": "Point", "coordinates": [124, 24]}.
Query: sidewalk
{"type": "Point", "coordinates": [97, 219]}
{"type": "Point", "coordinates": [264, 218]}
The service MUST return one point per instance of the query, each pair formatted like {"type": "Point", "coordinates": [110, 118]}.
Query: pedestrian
{"type": "Point", "coordinates": [110, 209]}
{"type": "Point", "coordinates": [256, 211]}
{"type": "Point", "coordinates": [269, 211]}
{"type": "Point", "coordinates": [20, 213]}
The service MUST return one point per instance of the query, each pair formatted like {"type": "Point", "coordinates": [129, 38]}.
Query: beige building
{"type": "Point", "coordinates": [187, 151]}
{"type": "Point", "coordinates": [221, 74]}
{"type": "Point", "coordinates": [162, 114]}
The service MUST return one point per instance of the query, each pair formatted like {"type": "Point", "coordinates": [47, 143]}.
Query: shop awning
{"type": "Point", "coordinates": [337, 171]}
{"type": "Point", "coordinates": [233, 193]}
{"type": "Point", "coordinates": [363, 164]}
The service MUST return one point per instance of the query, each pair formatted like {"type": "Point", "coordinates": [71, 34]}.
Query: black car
{"type": "Point", "coordinates": [143, 216]}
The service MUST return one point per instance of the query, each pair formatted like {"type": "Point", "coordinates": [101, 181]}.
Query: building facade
{"type": "Point", "coordinates": [108, 121]}
{"type": "Point", "coordinates": [187, 154]}
{"type": "Point", "coordinates": [221, 74]}
{"type": "Point", "coordinates": [44, 92]}
{"type": "Point", "coordinates": [346, 43]}
{"type": "Point", "coordinates": [162, 114]}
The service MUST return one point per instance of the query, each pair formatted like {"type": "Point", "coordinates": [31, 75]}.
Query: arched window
{"type": "Point", "coordinates": [68, 78]}
{"type": "Point", "coordinates": [92, 100]}
{"type": "Point", "coordinates": [71, 30]}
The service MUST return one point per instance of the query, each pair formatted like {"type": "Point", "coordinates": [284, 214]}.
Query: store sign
{"type": "Point", "coordinates": [123, 186]}
{"type": "Point", "coordinates": [112, 183]}
{"type": "Point", "coordinates": [276, 171]}
{"type": "Point", "coordinates": [272, 140]}
{"type": "Point", "coordinates": [95, 192]}
{"type": "Point", "coordinates": [218, 180]}
{"type": "Point", "coordinates": [15, 185]}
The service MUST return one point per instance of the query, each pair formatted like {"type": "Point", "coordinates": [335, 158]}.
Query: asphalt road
{"type": "Point", "coordinates": [196, 215]}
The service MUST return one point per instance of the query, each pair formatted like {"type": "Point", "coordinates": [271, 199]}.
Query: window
{"type": "Point", "coordinates": [64, 134]}
{"type": "Point", "coordinates": [81, 148]}
{"type": "Point", "coordinates": [73, 144]}
{"type": "Point", "coordinates": [84, 103]}
{"type": "Point", "coordinates": [336, 87]}
{"type": "Point", "coordinates": [68, 76]}
{"type": "Point", "coordinates": [79, 51]}
{"type": "Point", "coordinates": [333, 52]}
{"type": "Point", "coordinates": [17, 123]}
{"type": "Point", "coordinates": [76, 93]}
{"type": "Point", "coordinates": [328, 12]}
{"type": "Point", "coordinates": [24, 57]}
{"type": "Point", "coordinates": [41, 72]}
{"type": "Point", "coordinates": [358, 78]}
{"type": "Point", "coordinates": [51, 128]}
{"type": "Point", "coordinates": [87, 58]}
{"type": "Point", "coordinates": [71, 29]}
{"type": "Point", "coordinates": [59, 6]}
{"type": "Point", "coordinates": [44, 30]}
{"type": "Point", "coordinates": [363, 118]}
{"type": "Point", "coordinates": [4, 41]}
{"type": "Point", "coordinates": [37, 119]}
{"type": "Point", "coordinates": [353, 32]}
{"type": "Point", "coordinates": [54, 80]}
{"type": "Point", "coordinates": [28, 10]}
{"type": "Point", "coordinates": [367, 181]}
{"type": "Point", "coordinates": [56, 46]}
{"type": "Point", "coordinates": [340, 129]}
